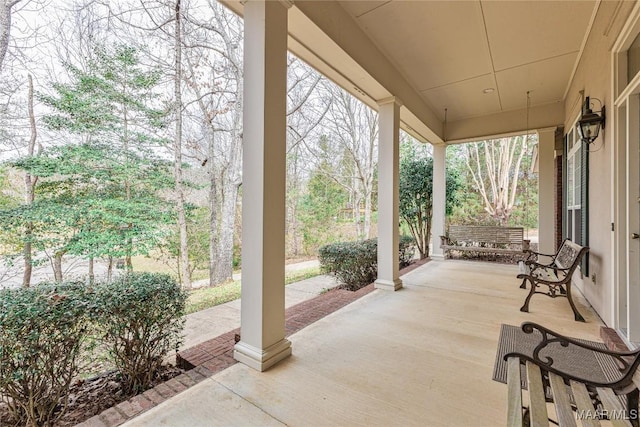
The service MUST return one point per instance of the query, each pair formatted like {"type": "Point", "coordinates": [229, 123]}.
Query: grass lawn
{"type": "Point", "coordinates": [203, 298]}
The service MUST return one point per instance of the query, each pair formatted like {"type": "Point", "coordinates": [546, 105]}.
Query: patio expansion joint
{"type": "Point", "coordinates": [250, 402]}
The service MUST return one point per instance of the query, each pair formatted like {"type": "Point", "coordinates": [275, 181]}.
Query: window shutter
{"type": "Point", "coordinates": [584, 209]}
{"type": "Point", "coordinates": [565, 232]}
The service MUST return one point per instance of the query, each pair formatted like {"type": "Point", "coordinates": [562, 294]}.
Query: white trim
{"type": "Point", "coordinates": [624, 39]}
{"type": "Point", "coordinates": [614, 322]}
{"type": "Point", "coordinates": [259, 359]}
{"type": "Point", "coordinates": [582, 46]}
{"type": "Point", "coordinates": [388, 285]}
{"type": "Point", "coordinates": [633, 293]}
{"type": "Point", "coordinates": [624, 117]}
{"type": "Point", "coordinates": [389, 100]}
{"type": "Point", "coordinates": [500, 135]}
{"type": "Point", "coordinates": [632, 87]}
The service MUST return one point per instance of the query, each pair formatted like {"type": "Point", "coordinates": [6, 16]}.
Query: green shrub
{"type": "Point", "coordinates": [140, 315]}
{"type": "Point", "coordinates": [407, 250]}
{"type": "Point", "coordinates": [355, 264]}
{"type": "Point", "coordinates": [42, 333]}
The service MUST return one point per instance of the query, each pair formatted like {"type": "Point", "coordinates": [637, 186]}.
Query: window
{"type": "Point", "coordinates": [633, 59]}
{"type": "Point", "coordinates": [575, 183]}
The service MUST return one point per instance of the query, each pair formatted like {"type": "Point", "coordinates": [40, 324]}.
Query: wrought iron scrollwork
{"type": "Point", "coordinates": [627, 361]}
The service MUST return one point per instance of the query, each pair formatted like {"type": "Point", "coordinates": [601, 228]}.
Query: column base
{"type": "Point", "coordinates": [388, 285]}
{"type": "Point", "coordinates": [437, 257]}
{"type": "Point", "coordinates": [261, 360]}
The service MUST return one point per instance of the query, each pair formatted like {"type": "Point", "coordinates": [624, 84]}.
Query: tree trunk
{"type": "Point", "coordinates": [295, 229]}
{"type": "Point", "coordinates": [29, 186]}
{"type": "Point", "coordinates": [425, 242]}
{"type": "Point", "coordinates": [28, 266]}
{"type": "Point", "coordinates": [223, 270]}
{"type": "Point", "coordinates": [92, 276]}
{"type": "Point", "coordinates": [57, 266]}
{"type": "Point", "coordinates": [110, 269]}
{"type": "Point", "coordinates": [185, 271]}
{"type": "Point", "coordinates": [230, 180]}
{"type": "Point", "coordinates": [357, 198]}
{"type": "Point", "coordinates": [226, 158]}
{"type": "Point", "coordinates": [213, 215]}
{"type": "Point", "coordinates": [5, 27]}
{"type": "Point", "coordinates": [367, 214]}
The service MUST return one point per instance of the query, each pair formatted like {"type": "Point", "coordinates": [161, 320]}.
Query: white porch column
{"type": "Point", "coordinates": [388, 195]}
{"type": "Point", "coordinates": [439, 200]}
{"type": "Point", "coordinates": [546, 190]}
{"type": "Point", "coordinates": [263, 340]}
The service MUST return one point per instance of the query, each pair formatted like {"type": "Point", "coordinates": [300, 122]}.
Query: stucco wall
{"type": "Point", "coordinates": [593, 75]}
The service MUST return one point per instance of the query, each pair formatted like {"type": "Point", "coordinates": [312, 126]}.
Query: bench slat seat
{"type": "Point", "coordinates": [562, 402]}
{"type": "Point", "coordinates": [514, 410]}
{"type": "Point", "coordinates": [584, 404]}
{"type": "Point", "coordinates": [538, 404]}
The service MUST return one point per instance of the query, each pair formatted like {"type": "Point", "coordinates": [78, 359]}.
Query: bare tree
{"type": "Point", "coordinates": [29, 187]}
{"type": "Point", "coordinates": [5, 26]}
{"type": "Point", "coordinates": [494, 166]}
{"type": "Point", "coordinates": [307, 106]}
{"type": "Point", "coordinates": [177, 152]}
{"type": "Point", "coordinates": [216, 81]}
{"type": "Point", "coordinates": [354, 128]}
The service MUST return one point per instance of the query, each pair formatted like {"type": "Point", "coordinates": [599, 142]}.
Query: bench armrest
{"type": "Point", "coordinates": [533, 266]}
{"type": "Point", "coordinates": [533, 255]}
{"type": "Point", "coordinates": [444, 240]}
{"type": "Point", "coordinates": [627, 361]}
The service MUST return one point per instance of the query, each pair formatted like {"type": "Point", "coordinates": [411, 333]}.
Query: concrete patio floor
{"type": "Point", "coordinates": [421, 356]}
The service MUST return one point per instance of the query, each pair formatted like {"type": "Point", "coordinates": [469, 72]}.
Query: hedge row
{"type": "Point", "coordinates": [355, 264]}
{"type": "Point", "coordinates": [47, 329]}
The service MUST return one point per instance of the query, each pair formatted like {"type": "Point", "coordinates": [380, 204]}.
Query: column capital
{"type": "Point", "coordinates": [547, 130]}
{"type": "Point", "coordinates": [390, 100]}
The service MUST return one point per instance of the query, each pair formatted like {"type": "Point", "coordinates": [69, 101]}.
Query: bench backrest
{"type": "Point", "coordinates": [486, 234]}
{"type": "Point", "coordinates": [569, 256]}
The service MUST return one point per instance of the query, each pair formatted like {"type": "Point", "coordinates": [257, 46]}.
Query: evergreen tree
{"type": "Point", "coordinates": [98, 194]}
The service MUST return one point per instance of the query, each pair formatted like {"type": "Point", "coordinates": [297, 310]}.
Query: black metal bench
{"type": "Point", "coordinates": [485, 239]}
{"type": "Point", "coordinates": [555, 275]}
{"type": "Point", "coordinates": [562, 370]}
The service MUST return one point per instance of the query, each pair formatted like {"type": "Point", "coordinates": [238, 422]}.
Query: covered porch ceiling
{"type": "Point", "coordinates": [476, 59]}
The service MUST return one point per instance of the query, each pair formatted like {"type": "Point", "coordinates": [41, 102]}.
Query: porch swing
{"type": "Point", "coordinates": [497, 240]}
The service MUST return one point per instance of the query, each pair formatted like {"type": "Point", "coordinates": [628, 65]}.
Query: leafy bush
{"type": "Point", "coordinates": [42, 333]}
{"type": "Point", "coordinates": [407, 250]}
{"type": "Point", "coordinates": [355, 264]}
{"type": "Point", "coordinates": [140, 315]}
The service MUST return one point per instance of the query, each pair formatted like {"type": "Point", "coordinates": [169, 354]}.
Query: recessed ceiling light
{"type": "Point", "coordinates": [488, 90]}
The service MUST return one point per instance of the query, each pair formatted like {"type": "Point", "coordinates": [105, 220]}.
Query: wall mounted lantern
{"type": "Point", "coordinates": [590, 122]}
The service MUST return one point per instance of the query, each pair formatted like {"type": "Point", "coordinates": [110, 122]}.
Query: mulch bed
{"type": "Point", "coordinates": [92, 396]}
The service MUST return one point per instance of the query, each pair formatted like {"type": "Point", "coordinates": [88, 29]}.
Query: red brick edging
{"type": "Point", "coordinates": [129, 409]}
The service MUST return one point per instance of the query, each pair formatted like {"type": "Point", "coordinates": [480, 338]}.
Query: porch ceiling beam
{"type": "Point", "coordinates": [505, 123]}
